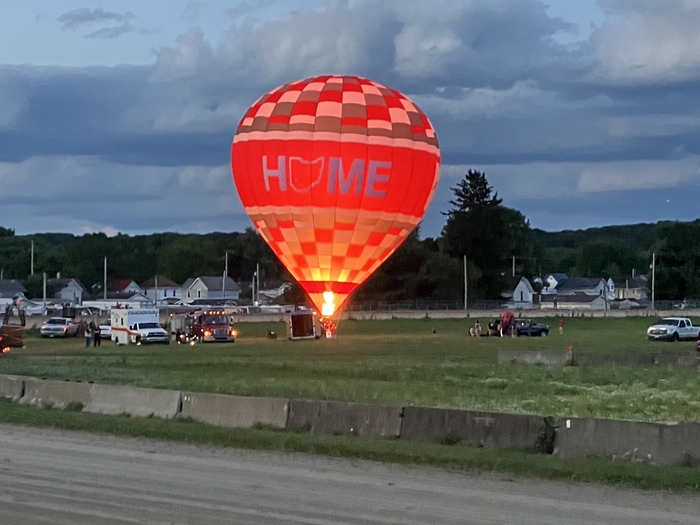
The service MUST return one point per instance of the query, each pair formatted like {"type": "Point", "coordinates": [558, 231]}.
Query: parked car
{"type": "Point", "coordinates": [106, 329]}
{"type": "Point", "coordinates": [673, 329]}
{"type": "Point", "coordinates": [531, 328]}
{"type": "Point", "coordinates": [59, 327]}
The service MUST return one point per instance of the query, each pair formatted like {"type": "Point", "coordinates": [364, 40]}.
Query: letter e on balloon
{"type": "Point", "coordinates": [375, 180]}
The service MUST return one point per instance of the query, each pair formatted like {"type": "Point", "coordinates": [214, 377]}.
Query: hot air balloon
{"type": "Point", "coordinates": [334, 172]}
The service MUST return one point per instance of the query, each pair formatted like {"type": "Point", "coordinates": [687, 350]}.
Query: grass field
{"type": "Point", "coordinates": [395, 362]}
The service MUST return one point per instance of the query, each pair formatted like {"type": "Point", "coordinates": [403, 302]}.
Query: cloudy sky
{"type": "Point", "coordinates": [117, 115]}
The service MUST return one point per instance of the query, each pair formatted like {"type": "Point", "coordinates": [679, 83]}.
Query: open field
{"type": "Point", "coordinates": [398, 362]}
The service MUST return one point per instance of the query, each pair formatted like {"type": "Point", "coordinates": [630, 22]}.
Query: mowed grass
{"type": "Point", "coordinates": [399, 362]}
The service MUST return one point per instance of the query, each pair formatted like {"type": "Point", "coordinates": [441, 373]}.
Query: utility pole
{"type": "Point", "coordinates": [44, 311]}
{"type": "Point", "coordinates": [223, 281]}
{"type": "Point", "coordinates": [513, 265]}
{"type": "Point", "coordinates": [653, 279]}
{"type": "Point", "coordinates": [32, 262]}
{"type": "Point", "coordinates": [104, 284]}
{"type": "Point", "coordinates": [155, 296]}
{"type": "Point", "coordinates": [465, 283]}
{"type": "Point", "coordinates": [257, 288]}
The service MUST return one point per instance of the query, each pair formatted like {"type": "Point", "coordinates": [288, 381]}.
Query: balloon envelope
{"type": "Point", "coordinates": [334, 172]}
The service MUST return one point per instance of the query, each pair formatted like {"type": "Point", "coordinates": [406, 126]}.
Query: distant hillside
{"type": "Point", "coordinates": [641, 235]}
{"type": "Point", "coordinates": [611, 250]}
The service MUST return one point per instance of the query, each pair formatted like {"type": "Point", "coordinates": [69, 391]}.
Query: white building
{"type": "Point", "coordinates": [522, 295]}
{"type": "Point", "coordinates": [210, 288]}
{"type": "Point", "coordinates": [166, 289]}
{"type": "Point", "coordinates": [66, 290]}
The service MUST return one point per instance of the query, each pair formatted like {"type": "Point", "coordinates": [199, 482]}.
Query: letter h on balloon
{"type": "Point", "coordinates": [280, 173]}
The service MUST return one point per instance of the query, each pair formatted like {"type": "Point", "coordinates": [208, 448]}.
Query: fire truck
{"type": "Point", "coordinates": [202, 326]}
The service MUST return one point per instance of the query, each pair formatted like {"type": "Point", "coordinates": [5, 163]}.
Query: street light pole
{"type": "Point", "coordinates": [465, 283]}
{"type": "Point", "coordinates": [104, 284]}
{"type": "Point", "coordinates": [653, 279]}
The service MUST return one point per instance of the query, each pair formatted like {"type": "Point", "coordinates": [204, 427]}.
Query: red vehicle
{"type": "Point", "coordinates": [203, 326]}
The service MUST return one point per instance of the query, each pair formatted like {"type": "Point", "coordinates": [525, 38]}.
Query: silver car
{"type": "Point", "coordinates": [59, 327]}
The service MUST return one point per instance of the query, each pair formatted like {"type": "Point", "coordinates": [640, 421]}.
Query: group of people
{"type": "Point", "coordinates": [497, 328]}
{"type": "Point", "coordinates": [91, 333]}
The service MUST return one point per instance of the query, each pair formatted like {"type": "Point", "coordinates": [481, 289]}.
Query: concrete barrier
{"type": "Point", "coordinates": [664, 358]}
{"type": "Point", "coordinates": [677, 442]}
{"type": "Point", "coordinates": [336, 417]}
{"type": "Point", "coordinates": [475, 428]}
{"type": "Point", "coordinates": [141, 402]}
{"type": "Point", "coordinates": [235, 411]}
{"type": "Point", "coordinates": [11, 387]}
{"type": "Point", "coordinates": [658, 443]}
{"type": "Point", "coordinates": [58, 394]}
{"type": "Point", "coordinates": [553, 358]}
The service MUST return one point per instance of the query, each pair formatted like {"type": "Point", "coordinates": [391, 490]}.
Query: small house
{"type": "Point", "coordinates": [126, 286]}
{"type": "Point", "coordinates": [519, 293]}
{"type": "Point", "coordinates": [210, 288]}
{"type": "Point", "coordinates": [552, 281]}
{"type": "Point", "coordinates": [66, 290]}
{"type": "Point", "coordinates": [596, 286]}
{"type": "Point", "coordinates": [634, 288]}
{"type": "Point", "coordinates": [163, 288]}
{"type": "Point", "coordinates": [574, 301]}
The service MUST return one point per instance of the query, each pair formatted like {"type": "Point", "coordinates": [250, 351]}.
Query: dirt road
{"type": "Point", "coordinates": [56, 477]}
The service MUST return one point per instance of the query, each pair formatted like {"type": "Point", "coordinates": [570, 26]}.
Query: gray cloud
{"type": "Point", "coordinates": [84, 15]}
{"type": "Point", "coordinates": [246, 7]}
{"type": "Point", "coordinates": [194, 10]}
{"type": "Point", "coordinates": [577, 124]}
{"type": "Point", "coordinates": [111, 32]}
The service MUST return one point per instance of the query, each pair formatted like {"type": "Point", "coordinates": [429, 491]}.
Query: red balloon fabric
{"type": "Point", "coordinates": [334, 172]}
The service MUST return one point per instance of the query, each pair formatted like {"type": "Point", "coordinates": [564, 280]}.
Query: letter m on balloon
{"type": "Point", "coordinates": [337, 177]}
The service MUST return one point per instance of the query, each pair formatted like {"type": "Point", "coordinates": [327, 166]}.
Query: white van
{"type": "Point", "coordinates": [132, 326]}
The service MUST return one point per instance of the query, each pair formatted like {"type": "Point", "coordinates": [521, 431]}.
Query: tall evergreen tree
{"type": "Point", "coordinates": [471, 192]}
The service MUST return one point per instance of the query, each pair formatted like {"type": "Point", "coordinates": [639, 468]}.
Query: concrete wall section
{"type": "Point", "coordinates": [553, 358]}
{"type": "Point", "coordinates": [659, 443]}
{"type": "Point", "coordinates": [335, 417]}
{"type": "Point", "coordinates": [477, 428]}
{"type": "Point", "coordinates": [663, 358]}
{"type": "Point", "coordinates": [235, 411]}
{"type": "Point", "coordinates": [11, 387]}
{"type": "Point", "coordinates": [677, 442]}
{"type": "Point", "coordinates": [58, 394]}
{"type": "Point", "coordinates": [141, 402]}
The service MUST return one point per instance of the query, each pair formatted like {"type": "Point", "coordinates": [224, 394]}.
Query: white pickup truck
{"type": "Point", "coordinates": [673, 329]}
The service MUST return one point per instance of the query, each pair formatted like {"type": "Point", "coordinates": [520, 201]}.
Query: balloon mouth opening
{"type": "Point", "coordinates": [328, 306]}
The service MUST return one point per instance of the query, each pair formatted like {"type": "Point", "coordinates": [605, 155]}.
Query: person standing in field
{"type": "Point", "coordinates": [88, 336]}
{"type": "Point", "coordinates": [561, 327]}
{"type": "Point", "coordinates": [96, 335]}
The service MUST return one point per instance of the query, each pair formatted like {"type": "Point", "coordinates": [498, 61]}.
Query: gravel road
{"type": "Point", "coordinates": [57, 477]}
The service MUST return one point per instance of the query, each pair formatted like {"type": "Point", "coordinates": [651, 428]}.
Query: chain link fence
{"type": "Point", "coordinates": [422, 304]}
{"type": "Point", "coordinates": [384, 306]}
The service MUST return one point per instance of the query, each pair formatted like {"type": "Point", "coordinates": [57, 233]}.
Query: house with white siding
{"type": "Point", "coordinates": [206, 287]}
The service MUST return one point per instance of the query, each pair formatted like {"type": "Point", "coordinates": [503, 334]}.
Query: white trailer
{"type": "Point", "coordinates": [137, 326]}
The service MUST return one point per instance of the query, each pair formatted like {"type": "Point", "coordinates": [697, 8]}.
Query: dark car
{"type": "Point", "coordinates": [531, 328]}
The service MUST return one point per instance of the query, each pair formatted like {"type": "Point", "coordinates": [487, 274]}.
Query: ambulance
{"type": "Point", "coordinates": [137, 327]}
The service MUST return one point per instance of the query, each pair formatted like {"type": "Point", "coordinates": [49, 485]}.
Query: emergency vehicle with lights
{"type": "Point", "coordinates": [203, 326]}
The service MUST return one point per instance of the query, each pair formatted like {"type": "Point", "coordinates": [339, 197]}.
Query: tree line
{"type": "Point", "coordinates": [494, 238]}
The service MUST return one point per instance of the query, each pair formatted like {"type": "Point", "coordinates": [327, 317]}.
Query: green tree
{"type": "Point", "coordinates": [471, 192]}
{"type": "Point", "coordinates": [490, 236]}
{"type": "Point", "coordinates": [678, 261]}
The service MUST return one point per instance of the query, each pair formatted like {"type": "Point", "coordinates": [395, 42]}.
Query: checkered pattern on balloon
{"type": "Point", "coordinates": [334, 172]}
